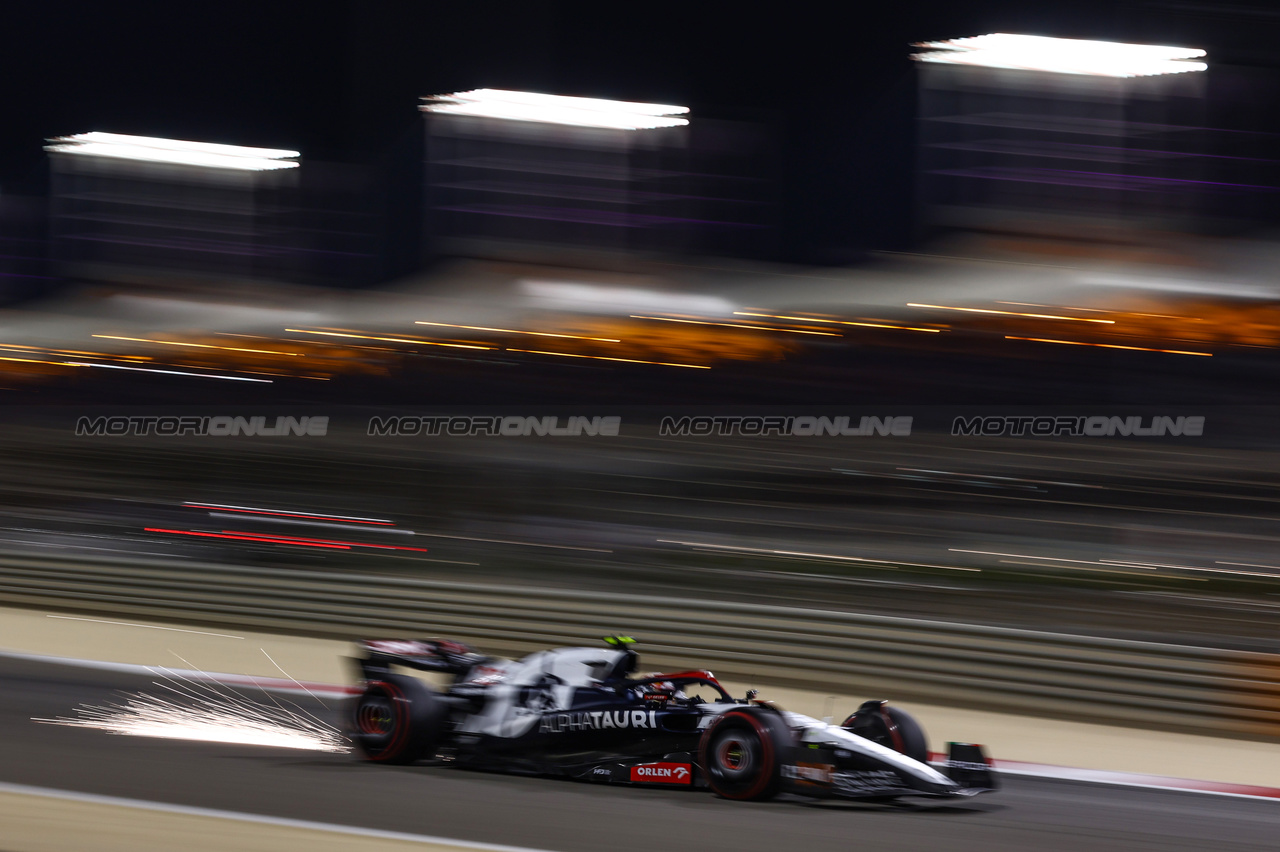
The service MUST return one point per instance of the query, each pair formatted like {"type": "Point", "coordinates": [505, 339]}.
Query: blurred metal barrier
{"type": "Point", "coordinates": [1087, 679]}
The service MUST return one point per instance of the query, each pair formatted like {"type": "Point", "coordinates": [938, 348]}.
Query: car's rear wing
{"type": "Point", "coordinates": [376, 656]}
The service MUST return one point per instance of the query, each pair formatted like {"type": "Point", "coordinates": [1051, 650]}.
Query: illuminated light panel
{"type": "Point", "coordinates": [737, 325]}
{"type": "Point", "coordinates": [603, 358]}
{"type": "Point", "coordinates": [517, 331]}
{"type": "Point", "coordinates": [166, 372]}
{"type": "Point", "coordinates": [388, 339]}
{"type": "Point", "coordinates": [150, 149]}
{"type": "Point", "coordinates": [839, 322]}
{"type": "Point", "coordinates": [1063, 55]}
{"type": "Point", "coordinates": [284, 513]}
{"type": "Point", "coordinates": [196, 345]}
{"type": "Point", "coordinates": [1112, 346]}
{"type": "Point", "coordinates": [1011, 313]}
{"type": "Point", "coordinates": [579, 297]}
{"type": "Point", "coordinates": [557, 109]}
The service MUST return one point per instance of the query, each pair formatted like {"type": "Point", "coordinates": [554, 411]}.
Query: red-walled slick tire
{"type": "Point", "coordinates": [397, 719]}
{"type": "Point", "coordinates": [741, 754]}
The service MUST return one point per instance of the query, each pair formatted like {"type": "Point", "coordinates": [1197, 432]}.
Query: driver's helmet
{"type": "Point", "coordinates": [662, 690]}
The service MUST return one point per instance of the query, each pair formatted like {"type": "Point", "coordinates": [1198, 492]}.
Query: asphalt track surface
{"type": "Point", "coordinates": [1028, 814]}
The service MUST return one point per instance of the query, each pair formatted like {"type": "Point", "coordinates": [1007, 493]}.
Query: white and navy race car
{"type": "Point", "coordinates": [584, 713]}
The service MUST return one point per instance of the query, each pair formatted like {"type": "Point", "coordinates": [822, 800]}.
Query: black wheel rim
{"type": "Point", "coordinates": [375, 717]}
{"type": "Point", "coordinates": [735, 759]}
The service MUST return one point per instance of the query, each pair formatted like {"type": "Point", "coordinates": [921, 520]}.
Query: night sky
{"type": "Point", "coordinates": [340, 81]}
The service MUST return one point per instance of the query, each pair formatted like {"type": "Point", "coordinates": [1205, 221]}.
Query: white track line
{"type": "Point", "coordinates": [1125, 779]}
{"type": "Point", "coordinates": [185, 810]}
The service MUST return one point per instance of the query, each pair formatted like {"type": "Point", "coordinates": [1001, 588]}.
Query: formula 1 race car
{"type": "Point", "coordinates": [583, 713]}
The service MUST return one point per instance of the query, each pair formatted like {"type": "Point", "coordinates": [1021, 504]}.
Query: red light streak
{"type": "Point", "coordinates": [289, 539]}
{"type": "Point", "coordinates": [247, 538]}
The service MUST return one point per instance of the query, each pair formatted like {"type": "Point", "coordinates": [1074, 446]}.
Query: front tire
{"type": "Point", "coordinates": [890, 727]}
{"type": "Point", "coordinates": [741, 754]}
{"type": "Point", "coordinates": [397, 719]}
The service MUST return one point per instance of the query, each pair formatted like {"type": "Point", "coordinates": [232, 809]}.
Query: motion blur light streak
{"type": "Point", "coordinates": [198, 345]}
{"type": "Point", "coordinates": [1059, 307]}
{"type": "Point", "coordinates": [1249, 565]}
{"type": "Point", "coordinates": [838, 322]}
{"type": "Point", "coordinates": [168, 372]}
{"type": "Point", "coordinates": [247, 537]}
{"type": "Point", "coordinates": [518, 543]}
{"type": "Point", "coordinates": [289, 514]}
{"type": "Point", "coordinates": [1029, 556]}
{"type": "Point", "coordinates": [1063, 55]}
{"type": "Point", "coordinates": [1101, 569]}
{"type": "Point", "coordinates": [1152, 565]}
{"type": "Point", "coordinates": [21, 347]}
{"type": "Point", "coordinates": [200, 712]}
{"type": "Point", "coordinates": [557, 109]}
{"type": "Point", "coordinates": [518, 331]}
{"type": "Point", "coordinates": [145, 148]}
{"type": "Point", "coordinates": [1111, 346]}
{"type": "Point", "coordinates": [148, 626]}
{"type": "Point", "coordinates": [803, 554]}
{"type": "Point", "coordinates": [298, 522]}
{"type": "Point", "coordinates": [1239, 573]}
{"type": "Point", "coordinates": [737, 325]}
{"type": "Point", "coordinates": [1003, 478]}
{"type": "Point", "coordinates": [293, 539]}
{"type": "Point", "coordinates": [389, 339]}
{"type": "Point", "coordinates": [38, 361]}
{"type": "Point", "coordinates": [1102, 311]}
{"type": "Point", "coordinates": [1010, 313]}
{"type": "Point", "coordinates": [604, 358]}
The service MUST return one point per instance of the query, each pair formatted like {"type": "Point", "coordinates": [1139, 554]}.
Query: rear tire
{"type": "Point", "coordinates": [397, 719]}
{"type": "Point", "coordinates": [892, 728]}
{"type": "Point", "coordinates": [741, 754]}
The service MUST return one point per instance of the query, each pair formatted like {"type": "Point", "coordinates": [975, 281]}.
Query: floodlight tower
{"type": "Point", "coordinates": [139, 209]}
{"type": "Point", "coordinates": [523, 171]}
{"type": "Point", "coordinates": [1029, 135]}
